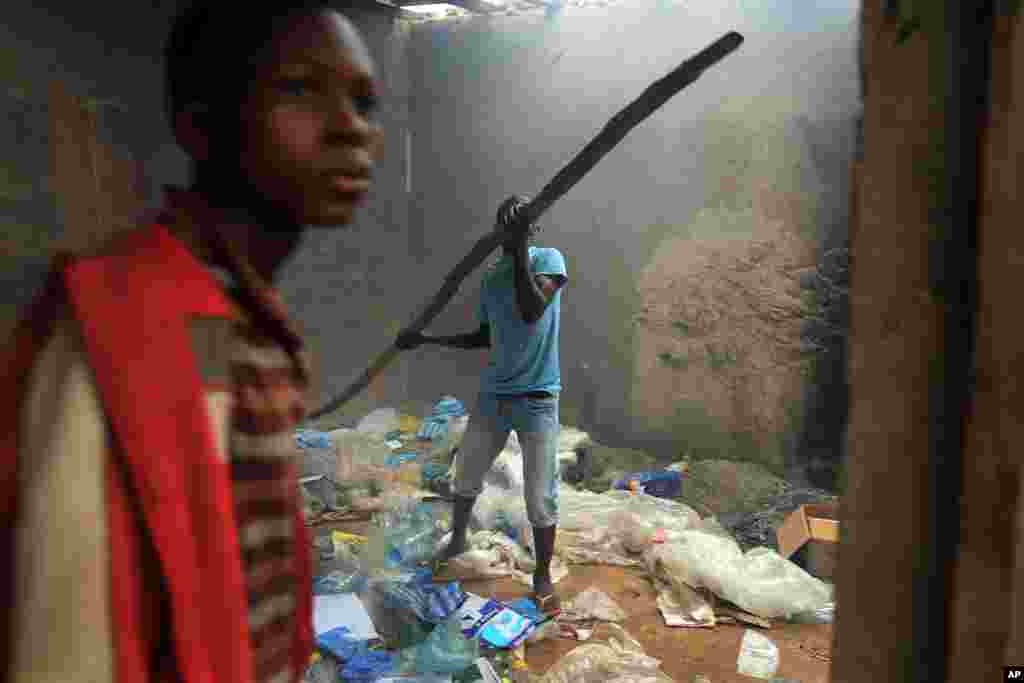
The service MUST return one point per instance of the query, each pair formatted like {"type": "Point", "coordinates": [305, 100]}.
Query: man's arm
{"type": "Point", "coordinates": [531, 299]}
{"type": "Point", "coordinates": [533, 292]}
{"type": "Point", "coordinates": [481, 339]}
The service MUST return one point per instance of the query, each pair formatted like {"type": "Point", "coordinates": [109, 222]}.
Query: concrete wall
{"type": "Point", "coordinates": [117, 70]}
{"type": "Point", "coordinates": [473, 111]}
{"type": "Point", "coordinates": [500, 104]}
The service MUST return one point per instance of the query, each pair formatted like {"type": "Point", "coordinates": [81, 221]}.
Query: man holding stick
{"type": "Point", "coordinates": [519, 322]}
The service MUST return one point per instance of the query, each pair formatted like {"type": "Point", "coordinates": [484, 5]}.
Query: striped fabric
{"type": "Point", "coordinates": [256, 377]}
{"type": "Point", "coordinates": [255, 394]}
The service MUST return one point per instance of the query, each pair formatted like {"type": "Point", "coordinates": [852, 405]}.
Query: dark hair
{"type": "Point", "coordinates": [509, 210]}
{"type": "Point", "coordinates": [214, 47]}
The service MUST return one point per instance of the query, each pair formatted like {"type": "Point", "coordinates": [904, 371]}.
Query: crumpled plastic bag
{"type": "Point", "coordinates": [609, 528]}
{"type": "Point", "coordinates": [445, 651]}
{"type": "Point", "coordinates": [761, 581]}
{"type": "Point", "coordinates": [759, 656]}
{"type": "Point", "coordinates": [619, 659]}
{"type": "Point", "coordinates": [359, 456]}
{"type": "Point", "coordinates": [507, 471]}
{"type": "Point", "coordinates": [311, 438]}
{"type": "Point", "coordinates": [494, 554]}
{"type": "Point", "coordinates": [379, 423]}
{"type": "Point", "coordinates": [499, 509]}
{"type": "Point", "coordinates": [683, 606]}
{"type": "Point", "coordinates": [570, 438]}
{"type": "Point", "coordinates": [592, 604]}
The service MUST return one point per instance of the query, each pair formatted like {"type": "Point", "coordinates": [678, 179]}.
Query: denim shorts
{"type": "Point", "coordinates": [535, 421]}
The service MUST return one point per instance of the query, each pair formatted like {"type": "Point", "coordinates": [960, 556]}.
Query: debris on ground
{"type": "Point", "coordinates": [382, 614]}
{"type": "Point", "coordinates": [759, 657]}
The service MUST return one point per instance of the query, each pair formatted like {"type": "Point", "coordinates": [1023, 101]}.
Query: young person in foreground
{"type": "Point", "coordinates": [519, 321]}
{"type": "Point", "coordinates": [151, 393]}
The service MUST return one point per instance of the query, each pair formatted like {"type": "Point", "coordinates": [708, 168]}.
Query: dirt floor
{"type": "Point", "coordinates": [686, 653]}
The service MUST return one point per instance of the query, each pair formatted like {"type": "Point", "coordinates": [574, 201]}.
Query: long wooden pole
{"type": "Point", "coordinates": [613, 132]}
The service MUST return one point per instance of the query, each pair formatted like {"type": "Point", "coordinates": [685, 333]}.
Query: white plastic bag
{"type": "Point", "coordinates": [507, 471]}
{"type": "Point", "coordinates": [606, 528]}
{"type": "Point", "coordinates": [759, 657]}
{"type": "Point", "coordinates": [619, 659]}
{"type": "Point", "coordinates": [761, 581]}
{"type": "Point", "coordinates": [379, 422]}
{"type": "Point", "coordinates": [457, 430]}
{"type": "Point", "coordinates": [570, 438]}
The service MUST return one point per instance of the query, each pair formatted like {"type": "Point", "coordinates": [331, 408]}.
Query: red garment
{"type": "Point", "coordinates": [133, 307]}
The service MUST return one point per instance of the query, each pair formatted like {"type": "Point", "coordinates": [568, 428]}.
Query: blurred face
{"type": "Point", "coordinates": [308, 137]}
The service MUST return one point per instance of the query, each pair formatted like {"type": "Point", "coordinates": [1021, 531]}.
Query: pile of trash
{"type": "Point", "coordinates": [381, 615]}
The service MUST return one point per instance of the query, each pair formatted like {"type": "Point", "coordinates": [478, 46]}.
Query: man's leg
{"type": "Point", "coordinates": [540, 471]}
{"type": "Point", "coordinates": [482, 443]}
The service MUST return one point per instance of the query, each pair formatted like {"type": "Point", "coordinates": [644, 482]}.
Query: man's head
{"type": "Point", "coordinates": [509, 210]}
{"type": "Point", "coordinates": [274, 105]}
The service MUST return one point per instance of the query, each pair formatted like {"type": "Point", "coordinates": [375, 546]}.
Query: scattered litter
{"type": "Point", "coordinates": [665, 484]}
{"type": "Point", "coordinates": [487, 672]}
{"type": "Point", "coordinates": [593, 604]}
{"type": "Point", "coordinates": [341, 538]}
{"type": "Point", "coordinates": [620, 658]}
{"type": "Point", "coordinates": [441, 421]}
{"type": "Point", "coordinates": [696, 613]}
{"type": "Point", "coordinates": [340, 643]}
{"type": "Point", "coordinates": [445, 651]}
{"type": "Point", "coordinates": [759, 657]}
{"type": "Point", "coordinates": [368, 666]}
{"type": "Point", "coordinates": [496, 624]}
{"type": "Point", "coordinates": [338, 581]}
{"type": "Point", "coordinates": [743, 617]}
{"type": "Point", "coordinates": [321, 670]}
{"type": "Point", "coordinates": [379, 423]}
{"type": "Point", "coordinates": [399, 459]}
{"type": "Point", "coordinates": [342, 610]}
{"type": "Point", "coordinates": [760, 581]}
{"type": "Point", "coordinates": [309, 438]}
{"type": "Point", "coordinates": [376, 588]}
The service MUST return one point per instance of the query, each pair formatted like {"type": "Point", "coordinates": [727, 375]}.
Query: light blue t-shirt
{"type": "Point", "coordinates": [523, 358]}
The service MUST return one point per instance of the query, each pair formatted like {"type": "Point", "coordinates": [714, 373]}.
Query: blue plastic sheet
{"type": "Point", "coordinates": [368, 666]}
{"type": "Point", "coordinates": [397, 459]}
{"type": "Point", "coordinates": [312, 439]}
{"type": "Point", "coordinates": [430, 603]}
{"type": "Point", "coordinates": [437, 422]}
{"type": "Point", "coordinates": [339, 582]}
{"type": "Point", "coordinates": [449, 407]}
{"type": "Point", "coordinates": [445, 651]}
{"type": "Point", "coordinates": [360, 663]}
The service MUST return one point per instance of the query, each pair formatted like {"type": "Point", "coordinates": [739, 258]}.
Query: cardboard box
{"type": "Point", "coordinates": [810, 537]}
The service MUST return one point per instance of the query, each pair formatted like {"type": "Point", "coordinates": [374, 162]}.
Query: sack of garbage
{"type": "Point", "coordinates": [761, 581]}
{"type": "Point", "coordinates": [379, 423]}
